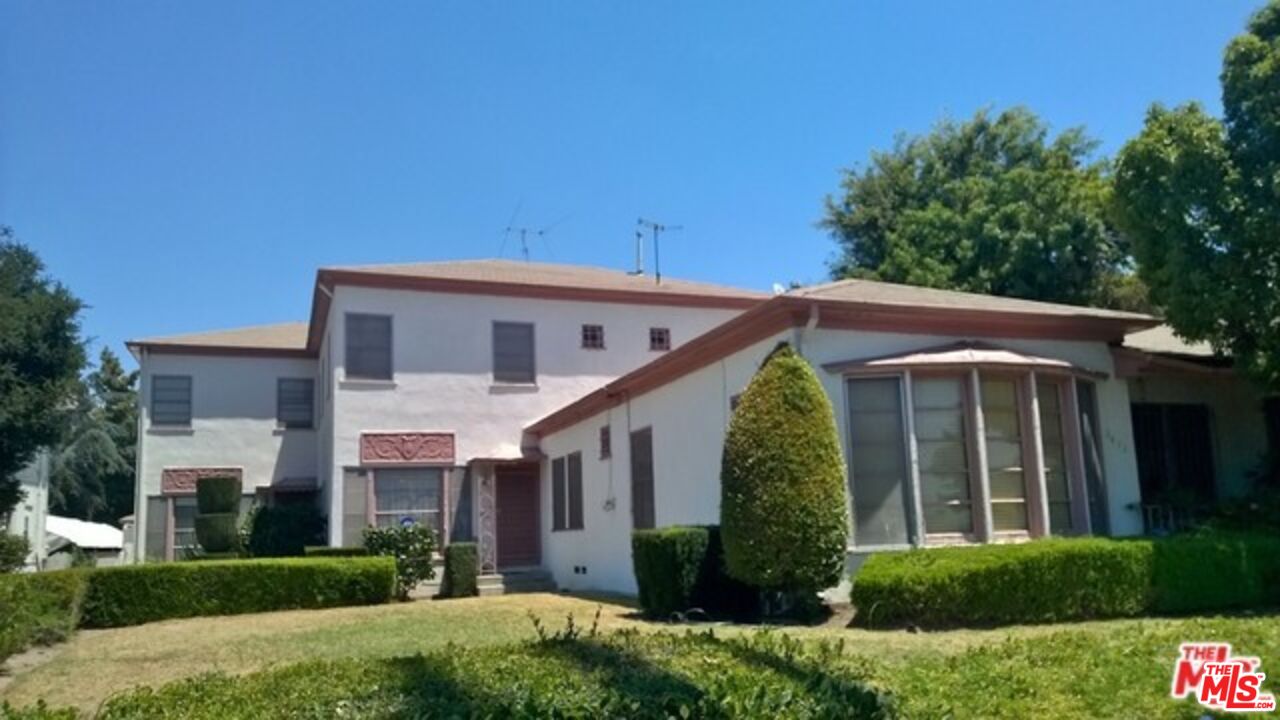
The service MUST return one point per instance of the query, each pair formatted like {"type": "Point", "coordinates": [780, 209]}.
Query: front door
{"type": "Point", "coordinates": [518, 537]}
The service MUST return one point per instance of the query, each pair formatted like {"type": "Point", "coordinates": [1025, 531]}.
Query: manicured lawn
{"type": "Point", "coordinates": [1086, 670]}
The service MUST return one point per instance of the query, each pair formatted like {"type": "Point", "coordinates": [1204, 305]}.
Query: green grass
{"type": "Point", "coordinates": [1099, 669]}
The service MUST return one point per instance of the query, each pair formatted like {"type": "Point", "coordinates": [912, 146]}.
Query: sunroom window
{"type": "Point", "coordinates": [942, 446]}
{"type": "Point", "coordinates": [1002, 425]}
{"type": "Point", "coordinates": [1057, 486]}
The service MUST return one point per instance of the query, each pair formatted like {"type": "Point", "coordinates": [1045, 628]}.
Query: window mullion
{"type": "Point", "coordinates": [915, 496]}
{"type": "Point", "coordinates": [1080, 520]}
{"type": "Point", "coordinates": [1033, 452]}
{"type": "Point", "coordinates": [979, 480]}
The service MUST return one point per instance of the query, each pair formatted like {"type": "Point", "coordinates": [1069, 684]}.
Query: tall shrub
{"type": "Point", "coordinates": [412, 546]}
{"type": "Point", "coordinates": [283, 530]}
{"type": "Point", "coordinates": [218, 508]}
{"type": "Point", "coordinates": [783, 512]}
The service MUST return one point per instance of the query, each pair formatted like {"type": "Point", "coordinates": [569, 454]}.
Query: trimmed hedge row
{"type": "Point", "coordinates": [461, 571]}
{"type": "Point", "coordinates": [39, 608]}
{"type": "Point", "coordinates": [138, 594]}
{"type": "Point", "coordinates": [681, 568]}
{"type": "Point", "coordinates": [1061, 579]}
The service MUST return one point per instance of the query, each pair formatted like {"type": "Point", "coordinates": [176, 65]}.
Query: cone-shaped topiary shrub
{"type": "Point", "coordinates": [218, 505]}
{"type": "Point", "coordinates": [783, 515]}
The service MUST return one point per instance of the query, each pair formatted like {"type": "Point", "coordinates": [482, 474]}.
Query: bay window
{"type": "Point", "coordinates": [971, 443]}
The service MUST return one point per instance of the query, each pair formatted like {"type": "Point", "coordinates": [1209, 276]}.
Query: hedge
{"type": "Point", "coordinates": [1060, 579]}
{"type": "Point", "coordinates": [682, 568]}
{"type": "Point", "coordinates": [634, 675]}
{"type": "Point", "coordinates": [461, 570]}
{"type": "Point", "coordinates": [39, 608]}
{"type": "Point", "coordinates": [325, 551]}
{"type": "Point", "coordinates": [137, 594]}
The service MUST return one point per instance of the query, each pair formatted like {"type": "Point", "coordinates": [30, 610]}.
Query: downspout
{"type": "Point", "coordinates": [801, 332]}
{"type": "Point", "coordinates": [139, 499]}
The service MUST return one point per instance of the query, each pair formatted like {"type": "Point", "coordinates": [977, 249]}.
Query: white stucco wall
{"type": "Point", "coordinates": [689, 417]}
{"type": "Point", "coordinates": [233, 424]}
{"type": "Point", "coordinates": [1236, 418]}
{"type": "Point", "coordinates": [442, 362]}
{"type": "Point", "coordinates": [28, 517]}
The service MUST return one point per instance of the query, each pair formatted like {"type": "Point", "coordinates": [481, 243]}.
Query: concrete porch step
{"type": "Point", "coordinates": [516, 580]}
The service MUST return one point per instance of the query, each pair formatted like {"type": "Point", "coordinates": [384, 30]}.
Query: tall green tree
{"type": "Point", "coordinates": [783, 516]}
{"type": "Point", "coordinates": [990, 205]}
{"type": "Point", "coordinates": [41, 356]}
{"type": "Point", "coordinates": [92, 476]}
{"type": "Point", "coordinates": [1200, 199]}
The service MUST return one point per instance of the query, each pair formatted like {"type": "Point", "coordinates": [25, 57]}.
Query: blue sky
{"type": "Point", "coordinates": [188, 166]}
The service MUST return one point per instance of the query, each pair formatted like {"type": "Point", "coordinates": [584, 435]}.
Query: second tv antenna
{"type": "Point", "coordinates": [656, 229]}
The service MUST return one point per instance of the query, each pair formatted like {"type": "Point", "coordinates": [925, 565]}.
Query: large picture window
{"type": "Point", "coordinates": [408, 494]}
{"type": "Point", "coordinates": [878, 461]}
{"type": "Point", "coordinates": [971, 442]}
{"type": "Point", "coordinates": [942, 447]}
{"type": "Point", "coordinates": [1006, 473]}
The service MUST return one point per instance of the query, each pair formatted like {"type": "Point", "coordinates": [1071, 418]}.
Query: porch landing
{"type": "Point", "coordinates": [504, 582]}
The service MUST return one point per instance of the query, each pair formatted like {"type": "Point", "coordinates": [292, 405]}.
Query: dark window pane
{"type": "Point", "coordinates": [557, 494]}
{"type": "Point", "coordinates": [294, 402]}
{"type": "Point", "coordinates": [513, 352]}
{"type": "Point", "coordinates": [171, 400]}
{"type": "Point", "coordinates": [368, 346]}
{"type": "Point", "coordinates": [575, 491]}
{"type": "Point", "coordinates": [877, 462]}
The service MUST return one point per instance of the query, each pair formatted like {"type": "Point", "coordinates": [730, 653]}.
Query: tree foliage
{"type": "Point", "coordinates": [991, 205]}
{"type": "Point", "coordinates": [41, 355]}
{"type": "Point", "coordinates": [783, 515]}
{"type": "Point", "coordinates": [1200, 199]}
{"type": "Point", "coordinates": [93, 469]}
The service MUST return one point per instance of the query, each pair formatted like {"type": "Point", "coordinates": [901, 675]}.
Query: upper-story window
{"type": "Point", "coordinates": [368, 346]}
{"type": "Point", "coordinates": [660, 339]}
{"type": "Point", "coordinates": [171, 400]}
{"type": "Point", "coordinates": [295, 402]}
{"type": "Point", "coordinates": [593, 337]}
{"type": "Point", "coordinates": [513, 353]}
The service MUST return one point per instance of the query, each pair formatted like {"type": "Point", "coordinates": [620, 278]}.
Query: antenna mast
{"type": "Point", "coordinates": [656, 228]}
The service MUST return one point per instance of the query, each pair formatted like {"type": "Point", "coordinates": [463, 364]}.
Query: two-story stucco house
{"type": "Point", "coordinates": [546, 411]}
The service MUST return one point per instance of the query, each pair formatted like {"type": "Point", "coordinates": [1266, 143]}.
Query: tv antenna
{"type": "Point", "coordinates": [656, 229]}
{"type": "Point", "coordinates": [525, 232]}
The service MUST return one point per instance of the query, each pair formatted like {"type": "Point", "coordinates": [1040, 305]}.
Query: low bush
{"type": "Point", "coordinates": [461, 571]}
{"type": "Point", "coordinates": [412, 546]}
{"type": "Point", "coordinates": [137, 594]}
{"type": "Point", "coordinates": [625, 675]}
{"type": "Point", "coordinates": [38, 608]}
{"type": "Point", "coordinates": [13, 552]}
{"type": "Point", "coordinates": [325, 551]}
{"type": "Point", "coordinates": [283, 530]}
{"type": "Point", "coordinates": [1060, 579]}
{"type": "Point", "coordinates": [682, 568]}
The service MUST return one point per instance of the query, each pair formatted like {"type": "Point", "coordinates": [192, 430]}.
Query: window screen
{"type": "Point", "coordinates": [1002, 424]}
{"type": "Point", "coordinates": [659, 339]}
{"type": "Point", "coordinates": [368, 346]}
{"type": "Point", "coordinates": [171, 400]}
{"type": "Point", "coordinates": [558, 492]}
{"type": "Point", "coordinates": [1053, 440]}
{"type": "Point", "coordinates": [642, 494]}
{"type": "Point", "coordinates": [877, 462]}
{"type": "Point", "coordinates": [513, 353]}
{"type": "Point", "coordinates": [1095, 479]}
{"type": "Point", "coordinates": [355, 506]}
{"type": "Point", "coordinates": [157, 532]}
{"type": "Point", "coordinates": [938, 407]}
{"type": "Point", "coordinates": [575, 491]}
{"type": "Point", "coordinates": [593, 337]}
{"type": "Point", "coordinates": [184, 526]}
{"type": "Point", "coordinates": [408, 494]}
{"type": "Point", "coordinates": [295, 402]}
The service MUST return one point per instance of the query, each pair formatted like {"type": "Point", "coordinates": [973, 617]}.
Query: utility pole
{"type": "Point", "coordinates": [656, 228]}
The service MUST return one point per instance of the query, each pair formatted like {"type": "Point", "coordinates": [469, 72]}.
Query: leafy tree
{"type": "Point", "coordinates": [93, 470]}
{"type": "Point", "coordinates": [783, 516]}
{"type": "Point", "coordinates": [990, 205]}
{"type": "Point", "coordinates": [41, 355]}
{"type": "Point", "coordinates": [1200, 198]}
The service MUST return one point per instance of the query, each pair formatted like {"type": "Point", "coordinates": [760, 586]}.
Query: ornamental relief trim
{"type": "Point", "coordinates": [407, 447]}
{"type": "Point", "coordinates": [182, 481]}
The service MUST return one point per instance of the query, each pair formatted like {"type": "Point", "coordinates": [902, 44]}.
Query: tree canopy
{"type": "Point", "coordinates": [989, 205]}
{"type": "Point", "coordinates": [41, 355]}
{"type": "Point", "coordinates": [1200, 199]}
{"type": "Point", "coordinates": [93, 469]}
